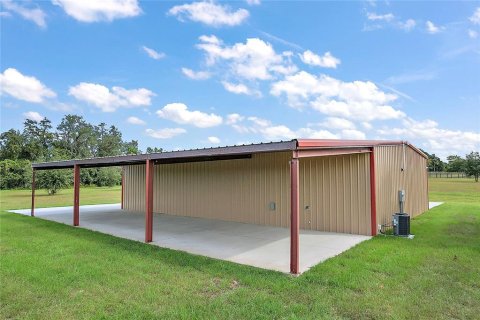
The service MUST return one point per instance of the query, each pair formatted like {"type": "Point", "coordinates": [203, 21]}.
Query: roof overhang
{"type": "Point", "coordinates": [210, 154]}
{"type": "Point", "coordinates": [300, 148]}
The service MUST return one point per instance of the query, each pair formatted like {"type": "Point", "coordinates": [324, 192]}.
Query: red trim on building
{"type": "Point", "coordinates": [310, 153]}
{"type": "Point", "coordinates": [334, 143]}
{"type": "Point", "coordinates": [149, 201]}
{"type": "Point", "coordinates": [76, 195]}
{"type": "Point", "coordinates": [294, 216]}
{"type": "Point", "coordinates": [373, 194]}
{"type": "Point", "coordinates": [32, 212]}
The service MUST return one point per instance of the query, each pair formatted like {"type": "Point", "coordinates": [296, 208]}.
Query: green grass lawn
{"type": "Point", "coordinates": [21, 199]}
{"type": "Point", "coordinates": [50, 270]}
{"type": "Point", "coordinates": [454, 190]}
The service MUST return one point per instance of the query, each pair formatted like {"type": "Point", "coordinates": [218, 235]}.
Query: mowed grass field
{"type": "Point", "coordinates": [21, 199]}
{"type": "Point", "coordinates": [54, 271]}
{"type": "Point", "coordinates": [454, 190]}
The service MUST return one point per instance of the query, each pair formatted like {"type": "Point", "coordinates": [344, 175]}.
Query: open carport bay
{"type": "Point", "coordinates": [260, 246]}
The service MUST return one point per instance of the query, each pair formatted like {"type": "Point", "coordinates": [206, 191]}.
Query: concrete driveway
{"type": "Point", "coordinates": [254, 245]}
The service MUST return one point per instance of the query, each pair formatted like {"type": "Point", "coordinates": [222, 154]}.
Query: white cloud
{"type": "Point", "coordinates": [316, 134]}
{"type": "Point", "coordinates": [234, 118]}
{"type": "Point", "coordinates": [196, 75]}
{"type": "Point", "coordinates": [166, 133]}
{"type": "Point", "coordinates": [252, 60]}
{"type": "Point", "coordinates": [408, 77]}
{"type": "Point", "coordinates": [110, 100]}
{"type": "Point", "coordinates": [359, 100]}
{"type": "Point", "coordinates": [282, 41]}
{"type": "Point", "coordinates": [352, 134]}
{"type": "Point", "coordinates": [432, 28]}
{"type": "Point", "coordinates": [33, 115]}
{"type": "Point", "coordinates": [104, 10]}
{"type": "Point", "coordinates": [209, 13]}
{"type": "Point", "coordinates": [337, 123]}
{"type": "Point", "coordinates": [253, 2]}
{"type": "Point", "coordinates": [472, 33]}
{"type": "Point", "coordinates": [214, 140]}
{"type": "Point", "coordinates": [272, 132]}
{"type": "Point", "coordinates": [434, 139]}
{"type": "Point", "coordinates": [382, 17]}
{"type": "Point", "coordinates": [475, 18]}
{"type": "Point", "coordinates": [24, 87]}
{"type": "Point", "coordinates": [367, 125]}
{"type": "Point", "coordinates": [239, 88]}
{"type": "Point", "coordinates": [325, 61]}
{"type": "Point", "coordinates": [35, 15]}
{"type": "Point", "coordinates": [153, 54]}
{"type": "Point", "coordinates": [136, 121]}
{"type": "Point", "coordinates": [407, 25]}
{"type": "Point", "coordinates": [379, 21]}
{"type": "Point", "coordinates": [179, 113]}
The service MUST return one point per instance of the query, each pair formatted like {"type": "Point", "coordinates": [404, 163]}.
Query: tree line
{"type": "Point", "coordinates": [470, 165]}
{"type": "Point", "coordinates": [73, 138]}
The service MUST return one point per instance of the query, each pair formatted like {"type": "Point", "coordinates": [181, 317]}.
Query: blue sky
{"type": "Point", "coordinates": [198, 74]}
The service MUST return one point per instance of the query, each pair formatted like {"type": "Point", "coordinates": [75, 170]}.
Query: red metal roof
{"type": "Point", "coordinates": [335, 143]}
{"type": "Point", "coordinates": [219, 152]}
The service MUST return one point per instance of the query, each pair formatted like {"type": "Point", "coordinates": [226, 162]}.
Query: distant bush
{"type": "Point", "coordinates": [108, 177]}
{"type": "Point", "coordinates": [53, 180]}
{"type": "Point", "coordinates": [15, 174]}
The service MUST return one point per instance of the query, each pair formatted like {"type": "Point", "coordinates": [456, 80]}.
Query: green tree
{"type": "Point", "coordinates": [472, 165]}
{"type": "Point", "coordinates": [108, 177]}
{"type": "Point", "coordinates": [435, 163]}
{"type": "Point", "coordinates": [15, 174]}
{"type": "Point", "coordinates": [154, 150]}
{"type": "Point", "coordinates": [11, 145]}
{"type": "Point", "coordinates": [38, 139]}
{"type": "Point", "coordinates": [131, 147]}
{"type": "Point", "coordinates": [76, 137]}
{"type": "Point", "coordinates": [455, 164]}
{"type": "Point", "coordinates": [109, 141]}
{"type": "Point", "coordinates": [53, 180]}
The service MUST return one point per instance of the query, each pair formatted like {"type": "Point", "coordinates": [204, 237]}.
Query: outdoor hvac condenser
{"type": "Point", "coordinates": [401, 224]}
{"type": "Point", "coordinates": [401, 221]}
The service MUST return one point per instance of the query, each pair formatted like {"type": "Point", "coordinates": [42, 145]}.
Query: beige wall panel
{"type": "Point", "coordinates": [337, 192]}
{"type": "Point", "coordinates": [234, 190]}
{"type": "Point", "coordinates": [389, 161]}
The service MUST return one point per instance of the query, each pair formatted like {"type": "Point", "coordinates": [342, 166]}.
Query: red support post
{"type": "Point", "coordinates": [294, 216]}
{"type": "Point", "coordinates": [149, 201]}
{"type": "Point", "coordinates": [373, 195]}
{"type": "Point", "coordinates": [123, 183]}
{"type": "Point", "coordinates": [76, 195]}
{"type": "Point", "coordinates": [32, 212]}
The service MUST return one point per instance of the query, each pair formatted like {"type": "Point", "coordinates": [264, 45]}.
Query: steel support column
{"type": "Point", "coordinates": [32, 212]}
{"type": "Point", "coordinates": [123, 183]}
{"type": "Point", "coordinates": [149, 201]}
{"type": "Point", "coordinates": [294, 216]}
{"type": "Point", "coordinates": [373, 195]}
{"type": "Point", "coordinates": [76, 195]}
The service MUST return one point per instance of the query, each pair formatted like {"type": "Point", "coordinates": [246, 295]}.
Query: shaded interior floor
{"type": "Point", "coordinates": [260, 246]}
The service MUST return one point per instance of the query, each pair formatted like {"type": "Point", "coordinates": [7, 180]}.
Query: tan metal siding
{"type": "Point", "coordinates": [337, 191]}
{"type": "Point", "coordinates": [389, 161]}
{"type": "Point", "coordinates": [234, 190]}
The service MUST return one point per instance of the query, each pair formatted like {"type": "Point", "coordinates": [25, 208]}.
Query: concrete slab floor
{"type": "Point", "coordinates": [434, 204]}
{"type": "Point", "coordinates": [254, 245]}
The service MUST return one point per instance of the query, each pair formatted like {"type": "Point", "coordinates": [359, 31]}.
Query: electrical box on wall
{"type": "Point", "coordinates": [272, 206]}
